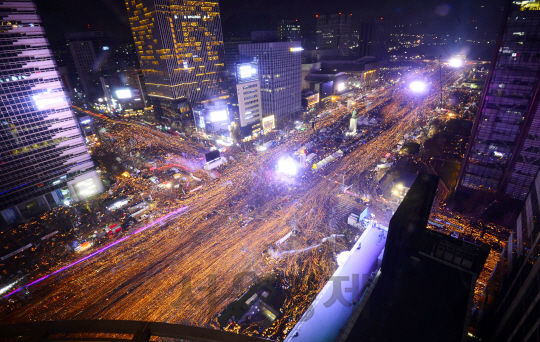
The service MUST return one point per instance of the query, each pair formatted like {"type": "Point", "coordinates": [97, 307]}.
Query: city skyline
{"type": "Point", "coordinates": [438, 17]}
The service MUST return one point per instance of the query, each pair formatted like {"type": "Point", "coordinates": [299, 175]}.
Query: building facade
{"type": "Point", "coordinates": [509, 308]}
{"type": "Point", "coordinates": [43, 156]}
{"type": "Point", "coordinates": [180, 48]}
{"type": "Point", "coordinates": [248, 89]}
{"type": "Point", "coordinates": [89, 53]}
{"type": "Point", "coordinates": [504, 149]}
{"type": "Point", "coordinates": [372, 39]}
{"type": "Point", "coordinates": [334, 32]}
{"type": "Point", "coordinates": [280, 74]}
{"type": "Point", "coordinates": [213, 119]}
{"type": "Point", "coordinates": [135, 80]}
{"type": "Point", "coordinates": [289, 30]}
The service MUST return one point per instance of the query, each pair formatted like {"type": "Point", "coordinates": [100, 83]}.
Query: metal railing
{"type": "Point", "coordinates": [137, 331]}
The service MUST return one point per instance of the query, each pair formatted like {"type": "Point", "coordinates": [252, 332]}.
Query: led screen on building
{"type": "Point", "coordinates": [246, 72]}
{"type": "Point", "coordinates": [219, 115]}
{"type": "Point", "coordinates": [326, 89]}
{"type": "Point", "coordinates": [269, 123]}
{"type": "Point", "coordinates": [86, 188]}
{"type": "Point", "coordinates": [124, 93]}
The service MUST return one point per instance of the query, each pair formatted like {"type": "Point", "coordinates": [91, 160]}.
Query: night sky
{"type": "Point", "coordinates": [240, 17]}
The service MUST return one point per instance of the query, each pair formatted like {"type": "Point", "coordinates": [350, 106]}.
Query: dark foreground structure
{"type": "Point", "coordinates": [135, 331]}
{"type": "Point", "coordinates": [509, 308]}
{"type": "Point", "coordinates": [425, 288]}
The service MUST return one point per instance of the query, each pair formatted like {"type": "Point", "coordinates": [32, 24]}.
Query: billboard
{"type": "Point", "coordinates": [86, 188]}
{"type": "Point", "coordinates": [219, 115]}
{"type": "Point", "coordinates": [212, 155]}
{"type": "Point", "coordinates": [246, 72]}
{"type": "Point", "coordinates": [124, 93]}
{"type": "Point", "coordinates": [326, 89]}
{"type": "Point", "coordinates": [268, 123]}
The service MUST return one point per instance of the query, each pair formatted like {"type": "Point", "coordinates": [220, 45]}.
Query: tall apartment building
{"type": "Point", "coordinates": [43, 156]}
{"type": "Point", "coordinates": [280, 74]}
{"type": "Point", "coordinates": [248, 89]}
{"type": "Point", "coordinates": [89, 52]}
{"type": "Point", "coordinates": [372, 38]}
{"type": "Point", "coordinates": [504, 149]}
{"type": "Point", "coordinates": [289, 30]}
{"type": "Point", "coordinates": [334, 32]}
{"type": "Point", "coordinates": [180, 48]}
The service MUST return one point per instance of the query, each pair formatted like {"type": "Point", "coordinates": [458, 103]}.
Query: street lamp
{"type": "Point", "coordinates": [440, 79]}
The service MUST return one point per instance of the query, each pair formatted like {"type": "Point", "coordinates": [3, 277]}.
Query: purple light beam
{"type": "Point", "coordinates": [100, 250]}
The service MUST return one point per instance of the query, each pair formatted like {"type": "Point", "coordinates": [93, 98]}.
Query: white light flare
{"type": "Point", "coordinates": [287, 166]}
{"type": "Point", "coordinates": [418, 86]}
{"type": "Point", "coordinates": [455, 62]}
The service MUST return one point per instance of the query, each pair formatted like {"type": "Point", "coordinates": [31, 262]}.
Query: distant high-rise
{"type": "Point", "coordinates": [280, 74]}
{"type": "Point", "coordinates": [504, 149]}
{"type": "Point", "coordinates": [372, 38]}
{"type": "Point", "coordinates": [89, 52]}
{"type": "Point", "coordinates": [334, 32]}
{"type": "Point", "coordinates": [135, 80]}
{"type": "Point", "coordinates": [180, 47]}
{"type": "Point", "coordinates": [289, 30]}
{"type": "Point", "coordinates": [43, 156]}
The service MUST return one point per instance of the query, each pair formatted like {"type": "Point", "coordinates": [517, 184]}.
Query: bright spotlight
{"type": "Point", "coordinates": [287, 166]}
{"type": "Point", "coordinates": [455, 62]}
{"type": "Point", "coordinates": [418, 86]}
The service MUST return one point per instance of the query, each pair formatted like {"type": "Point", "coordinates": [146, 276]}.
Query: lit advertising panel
{"type": "Point", "coordinates": [86, 188]}
{"type": "Point", "coordinates": [327, 89]}
{"type": "Point", "coordinates": [218, 115]}
{"type": "Point", "coordinates": [246, 72]}
{"type": "Point", "coordinates": [268, 123]}
{"type": "Point", "coordinates": [124, 93]}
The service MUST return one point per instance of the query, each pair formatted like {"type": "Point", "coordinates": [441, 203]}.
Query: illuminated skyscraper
{"type": "Point", "coordinates": [334, 32]}
{"type": "Point", "coordinates": [504, 149]}
{"type": "Point", "coordinates": [180, 47]}
{"type": "Point", "coordinates": [43, 156]}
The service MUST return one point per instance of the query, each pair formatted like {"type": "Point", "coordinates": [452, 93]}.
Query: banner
{"type": "Point", "coordinates": [17, 251]}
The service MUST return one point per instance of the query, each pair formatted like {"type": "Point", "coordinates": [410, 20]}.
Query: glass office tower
{"type": "Point", "coordinates": [280, 74]}
{"type": "Point", "coordinates": [504, 150]}
{"type": "Point", "coordinates": [180, 48]}
{"type": "Point", "coordinates": [43, 156]}
{"type": "Point", "coordinates": [334, 32]}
